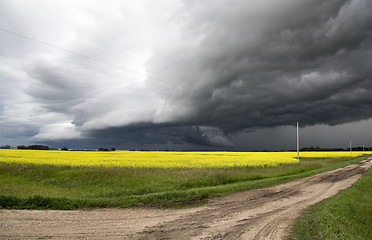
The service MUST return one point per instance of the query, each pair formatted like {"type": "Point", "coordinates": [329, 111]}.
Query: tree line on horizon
{"type": "Point", "coordinates": [304, 149]}
{"type": "Point", "coordinates": [317, 148]}
{"type": "Point", "coordinates": [44, 147]}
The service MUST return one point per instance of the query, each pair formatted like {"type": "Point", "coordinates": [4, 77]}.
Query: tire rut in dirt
{"type": "Point", "coordinates": [225, 215]}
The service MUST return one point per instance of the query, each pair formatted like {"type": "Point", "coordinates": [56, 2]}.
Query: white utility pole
{"type": "Point", "coordinates": [298, 144]}
{"type": "Point", "coordinates": [351, 150]}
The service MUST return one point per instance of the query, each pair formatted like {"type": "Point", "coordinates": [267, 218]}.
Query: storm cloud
{"type": "Point", "coordinates": [244, 64]}
{"type": "Point", "coordinates": [184, 73]}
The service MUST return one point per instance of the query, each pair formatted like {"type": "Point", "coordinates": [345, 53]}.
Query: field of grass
{"type": "Point", "coordinates": [56, 183]}
{"type": "Point", "coordinates": [348, 215]}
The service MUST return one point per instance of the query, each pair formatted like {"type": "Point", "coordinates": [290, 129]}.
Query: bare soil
{"type": "Point", "coordinates": [257, 214]}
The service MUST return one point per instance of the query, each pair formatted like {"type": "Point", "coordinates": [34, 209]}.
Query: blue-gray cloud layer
{"type": "Point", "coordinates": [215, 70]}
{"type": "Point", "coordinates": [245, 65]}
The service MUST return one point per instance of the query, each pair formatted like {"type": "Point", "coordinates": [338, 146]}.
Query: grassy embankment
{"type": "Point", "coordinates": [348, 215]}
{"type": "Point", "coordinates": [40, 187]}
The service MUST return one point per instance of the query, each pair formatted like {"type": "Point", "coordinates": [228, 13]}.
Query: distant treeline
{"type": "Point", "coordinates": [334, 149]}
{"type": "Point", "coordinates": [99, 149]}
{"type": "Point", "coordinates": [106, 149]}
{"type": "Point", "coordinates": [44, 147]}
{"type": "Point", "coordinates": [34, 147]}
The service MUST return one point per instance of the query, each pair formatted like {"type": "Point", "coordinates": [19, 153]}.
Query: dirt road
{"type": "Point", "coordinates": [258, 214]}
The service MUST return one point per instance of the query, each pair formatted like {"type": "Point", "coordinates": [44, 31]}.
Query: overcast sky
{"type": "Point", "coordinates": [186, 74]}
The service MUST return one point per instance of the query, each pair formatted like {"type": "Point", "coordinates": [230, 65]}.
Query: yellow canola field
{"type": "Point", "coordinates": [149, 159]}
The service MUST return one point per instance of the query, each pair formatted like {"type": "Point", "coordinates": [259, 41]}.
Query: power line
{"type": "Point", "coordinates": [67, 50]}
{"type": "Point", "coordinates": [91, 58]}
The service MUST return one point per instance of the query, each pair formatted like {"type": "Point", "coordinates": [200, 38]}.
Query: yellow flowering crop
{"type": "Point", "coordinates": [160, 159]}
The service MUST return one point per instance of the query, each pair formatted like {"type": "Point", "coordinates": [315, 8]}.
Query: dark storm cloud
{"type": "Point", "coordinates": [251, 65]}
{"type": "Point", "coordinates": [217, 70]}
{"type": "Point", "coordinates": [230, 66]}
{"type": "Point", "coordinates": [148, 134]}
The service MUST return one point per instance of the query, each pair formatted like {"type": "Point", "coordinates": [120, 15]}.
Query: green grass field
{"type": "Point", "coordinates": [61, 187]}
{"type": "Point", "coordinates": [348, 215]}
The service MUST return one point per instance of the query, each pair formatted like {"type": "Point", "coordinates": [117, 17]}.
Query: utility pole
{"type": "Point", "coordinates": [298, 144]}
{"type": "Point", "coordinates": [351, 149]}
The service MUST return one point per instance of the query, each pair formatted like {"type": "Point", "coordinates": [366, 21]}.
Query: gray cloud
{"type": "Point", "coordinates": [188, 73]}
{"type": "Point", "coordinates": [164, 136]}
{"type": "Point", "coordinates": [246, 65]}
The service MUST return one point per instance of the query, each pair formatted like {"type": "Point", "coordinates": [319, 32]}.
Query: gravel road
{"type": "Point", "coordinates": [257, 214]}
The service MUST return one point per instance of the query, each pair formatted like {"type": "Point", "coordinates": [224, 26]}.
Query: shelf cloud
{"type": "Point", "coordinates": [182, 73]}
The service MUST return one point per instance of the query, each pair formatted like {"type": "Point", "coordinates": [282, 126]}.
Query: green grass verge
{"type": "Point", "coordinates": [348, 215]}
{"type": "Point", "coordinates": [51, 187]}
